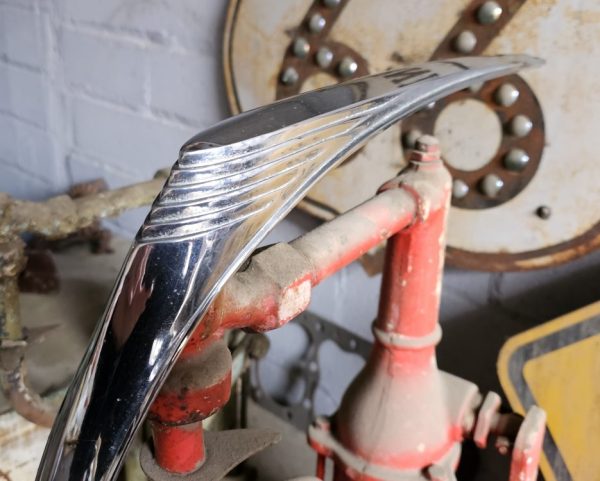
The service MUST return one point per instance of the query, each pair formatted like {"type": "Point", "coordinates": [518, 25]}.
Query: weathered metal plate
{"type": "Point", "coordinates": [557, 366]}
{"type": "Point", "coordinates": [504, 232]}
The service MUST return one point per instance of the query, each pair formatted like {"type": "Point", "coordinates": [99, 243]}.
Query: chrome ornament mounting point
{"type": "Point", "coordinates": [231, 184]}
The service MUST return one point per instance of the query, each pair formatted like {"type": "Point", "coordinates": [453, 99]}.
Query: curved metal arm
{"type": "Point", "coordinates": [229, 187]}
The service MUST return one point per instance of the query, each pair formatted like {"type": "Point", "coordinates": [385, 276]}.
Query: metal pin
{"type": "Point", "coordinates": [301, 47]}
{"type": "Point", "coordinates": [409, 139]}
{"type": "Point", "coordinates": [465, 42]}
{"type": "Point", "coordinates": [459, 189]}
{"type": "Point", "coordinates": [543, 212]}
{"type": "Point", "coordinates": [488, 13]}
{"type": "Point", "coordinates": [506, 95]}
{"type": "Point", "coordinates": [491, 185]}
{"type": "Point", "coordinates": [520, 125]}
{"type": "Point", "coordinates": [516, 160]}
{"type": "Point", "coordinates": [289, 76]}
{"type": "Point", "coordinates": [476, 87]}
{"type": "Point", "coordinates": [347, 67]}
{"type": "Point", "coordinates": [331, 3]}
{"type": "Point", "coordinates": [324, 57]}
{"type": "Point", "coordinates": [317, 23]}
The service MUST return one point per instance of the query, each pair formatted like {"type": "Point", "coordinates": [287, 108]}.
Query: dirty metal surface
{"type": "Point", "coordinates": [301, 414]}
{"type": "Point", "coordinates": [224, 451]}
{"type": "Point", "coordinates": [556, 365]}
{"type": "Point", "coordinates": [541, 214]}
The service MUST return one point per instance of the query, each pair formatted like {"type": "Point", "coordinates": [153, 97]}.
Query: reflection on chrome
{"type": "Point", "coordinates": [229, 187]}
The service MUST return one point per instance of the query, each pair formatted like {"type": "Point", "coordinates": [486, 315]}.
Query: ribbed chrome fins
{"type": "Point", "coordinates": [229, 187]}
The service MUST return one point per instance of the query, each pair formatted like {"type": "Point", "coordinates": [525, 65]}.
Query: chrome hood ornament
{"type": "Point", "coordinates": [229, 187]}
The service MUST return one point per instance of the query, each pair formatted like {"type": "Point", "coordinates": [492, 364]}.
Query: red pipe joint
{"type": "Point", "coordinates": [198, 386]}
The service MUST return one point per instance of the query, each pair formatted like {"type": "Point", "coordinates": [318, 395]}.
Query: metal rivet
{"type": "Point", "coordinates": [488, 13]}
{"type": "Point", "coordinates": [459, 189]}
{"type": "Point", "coordinates": [409, 139]}
{"type": "Point", "coordinates": [317, 23]}
{"type": "Point", "coordinates": [465, 41]}
{"type": "Point", "coordinates": [289, 76]}
{"type": "Point", "coordinates": [331, 3]}
{"type": "Point", "coordinates": [516, 160]}
{"type": "Point", "coordinates": [491, 185]}
{"type": "Point", "coordinates": [324, 57]}
{"type": "Point", "coordinates": [520, 125]}
{"type": "Point", "coordinates": [506, 95]}
{"type": "Point", "coordinates": [543, 212]}
{"type": "Point", "coordinates": [301, 47]}
{"type": "Point", "coordinates": [476, 87]}
{"type": "Point", "coordinates": [347, 67]}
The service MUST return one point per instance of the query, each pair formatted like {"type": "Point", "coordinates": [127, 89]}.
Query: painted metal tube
{"type": "Point", "coordinates": [229, 187]}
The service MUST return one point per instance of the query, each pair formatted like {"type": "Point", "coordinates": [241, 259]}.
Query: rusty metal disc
{"type": "Point", "coordinates": [521, 149]}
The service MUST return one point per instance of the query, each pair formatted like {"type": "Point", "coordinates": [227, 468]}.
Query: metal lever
{"type": "Point", "coordinates": [229, 187]}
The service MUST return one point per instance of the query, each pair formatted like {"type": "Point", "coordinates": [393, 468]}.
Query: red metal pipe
{"type": "Point", "coordinates": [178, 449]}
{"type": "Point", "coordinates": [393, 419]}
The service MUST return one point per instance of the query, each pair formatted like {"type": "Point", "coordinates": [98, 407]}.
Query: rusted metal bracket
{"type": "Point", "coordinates": [54, 219]}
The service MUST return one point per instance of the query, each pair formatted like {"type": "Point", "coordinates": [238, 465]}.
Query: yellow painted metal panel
{"type": "Point", "coordinates": [557, 366]}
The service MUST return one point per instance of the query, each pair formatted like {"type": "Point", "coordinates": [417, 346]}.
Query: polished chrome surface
{"type": "Point", "coordinates": [229, 187]}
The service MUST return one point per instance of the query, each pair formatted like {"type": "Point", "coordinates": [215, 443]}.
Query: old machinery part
{"type": "Point", "coordinates": [275, 285]}
{"type": "Point", "coordinates": [505, 141]}
{"type": "Point", "coordinates": [54, 219]}
{"type": "Point", "coordinates": [229, 187]}
{"type": "Point", "coordinates": [402, 418]}
{"type": "Point", "coordinates": [301, 413]}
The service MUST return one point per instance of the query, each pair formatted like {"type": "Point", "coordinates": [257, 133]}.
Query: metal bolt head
{"type": "Point", "coordinates": [317, 23]}
{"type": "Point", "coordinates": [543, 212]}
{"type": "Point", "coordinates": [427, 143]}
{"type": "Point", "coordinates": [465, 42]}
{"type": "Point", "coordinates": [476, 87]}
{"type": "Point", "coordinates": [324, 57]}
{"type": "Point", "coordinates": [506, 95]}
{"type": "Point", "coordinates": [488, 13]}
{"type": "Point", "coordinates": [347, 67]}
{"type": "Point", "coordinates": [331, 3]}
{"type": "Point", "coordinates": [491, 185]}
{"type": "Point", "coordinates": [516, 160]}
{"type": "Point", "coordinates": [409, 139]}
{"type": "Point", "coordinates": [459, 189]}
{"type": "Point", "coordinates": [520, 125]}
{"type": "Point", "coordinates": [301, 47]}
{"type": "Point", "coordinates": [289, 76]}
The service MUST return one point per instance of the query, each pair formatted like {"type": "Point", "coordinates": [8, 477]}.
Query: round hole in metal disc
{"type": "Point", "coordinates": [318, 81]}
{"type": "Point", "coordinates": [469, 133]}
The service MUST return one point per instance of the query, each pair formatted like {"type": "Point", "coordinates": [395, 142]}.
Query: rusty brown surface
{"type": "Point", "coordinates": [535, 259]}
{"type": "Point", "coordinates": [307, 67]}
{"type": "Point", "coordinates": [533, 143]}
{"type": "Point", "coordinates": [484, 33]}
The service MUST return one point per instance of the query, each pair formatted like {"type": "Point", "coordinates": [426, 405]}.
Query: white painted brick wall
{"type": "Point", "coordinates": [103, 89]}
